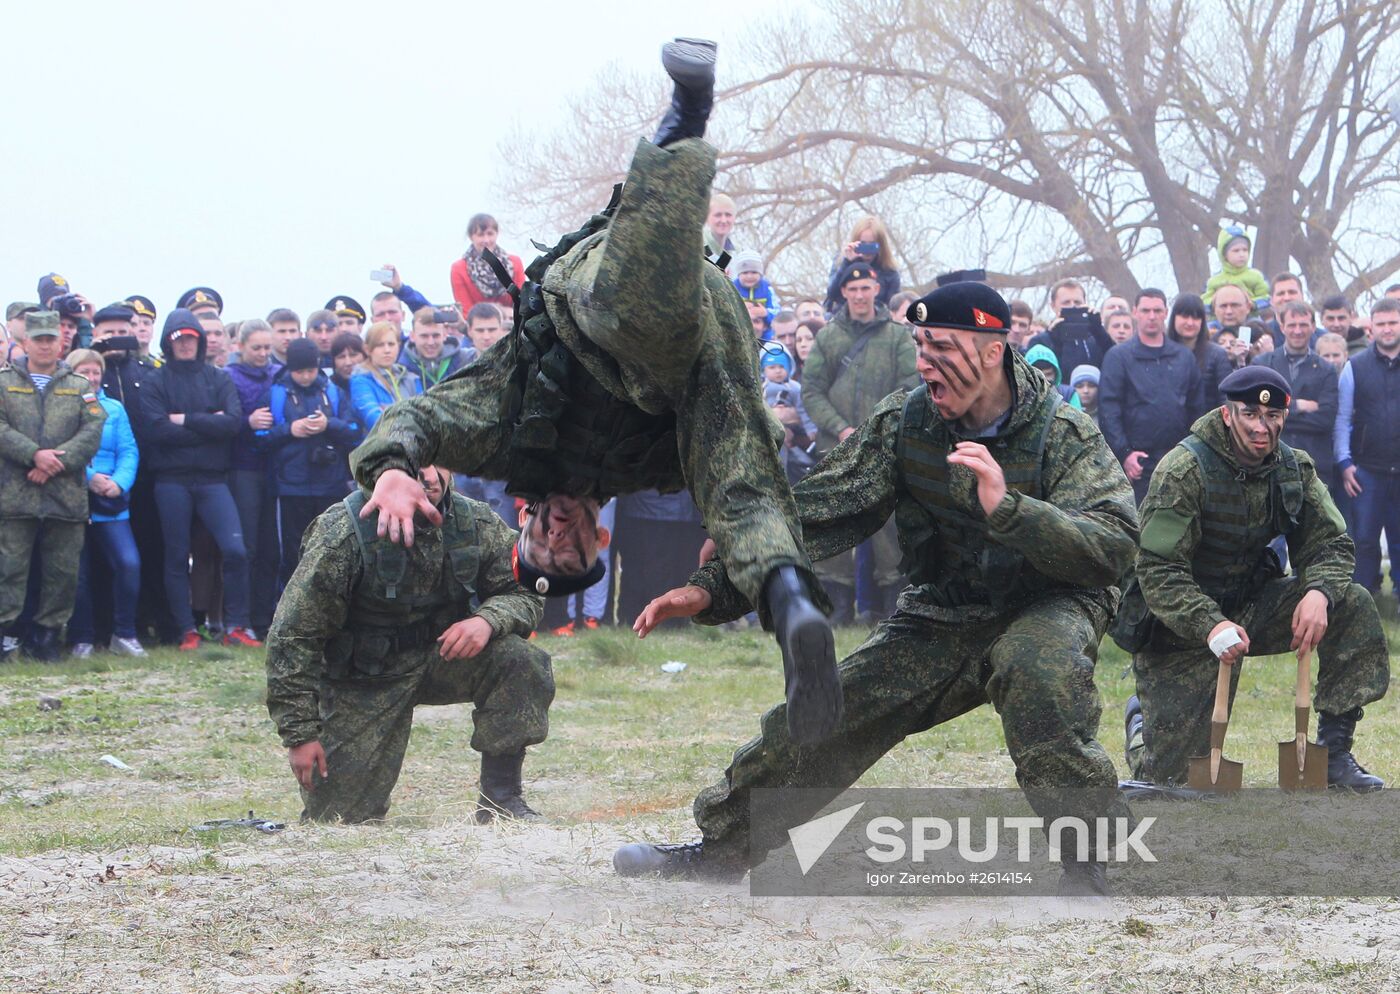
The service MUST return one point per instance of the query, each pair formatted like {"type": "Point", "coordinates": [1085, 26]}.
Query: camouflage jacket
{"type": "Point", "coordinates": [321, 597]}
{"type": "Point", "coordinates": [1081, 534]}
{"type": "Point", "coordinates": [838, 396]}
{"type": "Point", "coordinates": [1319, 549]}
{"type": "Point", "coordinates": [65, 415]}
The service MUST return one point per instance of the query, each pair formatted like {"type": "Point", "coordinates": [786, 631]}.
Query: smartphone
{"type": "Point", "coordinates": [382, 275]}
{"type": "Point", "coordinates": [1075, 313]}
{"type": "Point", "coordinates": [1246, 335]}
{"type": "Point", "coordinates": [871, 249]}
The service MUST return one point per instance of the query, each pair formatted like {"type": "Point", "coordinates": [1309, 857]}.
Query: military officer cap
{"type": "Point", "coordinates": [857, 271]}
{"type": "Point", "coordinates": [346, 307]}
{"type": "Point", "coordinates": [200, 297]}
{"type": "Point", "coordinates": [142, 306]}
{"type": "Point", "coordinates": [533, 578]}
{"type": "Point", "coordinates": [19, 308]}
{"type": "Point", "coordinates": [966, 306]}
{"type": "Point", "coordinates": [41, 324]}
{"type": "Point", "coordinates": [114, 312]}
{"type": "Point", "coordinates": [1257, 385]}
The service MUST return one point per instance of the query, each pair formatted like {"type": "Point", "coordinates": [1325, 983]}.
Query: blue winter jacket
{"type": "Point", "coordinates": [370, 397]}
{"type": "Point", "coordinates": [117, 455]}
{"type": "Point", "coordinates": [316, 466]}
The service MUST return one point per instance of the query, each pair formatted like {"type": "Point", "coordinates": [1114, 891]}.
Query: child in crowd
{"type": "Point", "coordinates": [1233, 246]}
{"type": "Point", "coordinates": [748, 279]}
{"type": "Point", "coordinates": [1332, 349]}
{"type": "Point", "coordinates": [1119, 325]}
{"type": "Point", "coordinates": [1084, 381]}
{"type": "Point", "coordinates": [779, 388]}
{"type": "Point", "coordinates": [1043, 359]}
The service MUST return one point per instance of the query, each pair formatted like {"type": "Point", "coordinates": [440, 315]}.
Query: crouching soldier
{"type": "Point", "coordinates": [367, 630]}
{"type": "Point", "coordinates": [1205, 565]}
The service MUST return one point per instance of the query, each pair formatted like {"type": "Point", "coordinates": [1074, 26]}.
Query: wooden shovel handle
{"type": "Point", "coordinates": [1303, 698]}
{"type": "Point", "coordinates": [1221, 714]}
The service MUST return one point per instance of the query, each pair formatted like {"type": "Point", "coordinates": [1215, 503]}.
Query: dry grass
{"type": "Point", "coordinates": [431, 902]}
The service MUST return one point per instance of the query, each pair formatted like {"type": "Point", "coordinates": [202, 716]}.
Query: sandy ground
{"type": "Point", "coordinates": [524, 908]}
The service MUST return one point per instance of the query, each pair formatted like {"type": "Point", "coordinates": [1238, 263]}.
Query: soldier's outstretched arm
{"type": "Point", "coordinates": [505, 604]}
{"type": "Point", "coordinates": [846, 498]}
{"type": "Point", "coordinates": [312, 609]}
{"type": "Point", "coordinates": [456, 424]}
{"type": "Point", "coordinates": [1171, 531]}
{"type": "Point", "coordinates": [1085, 529]}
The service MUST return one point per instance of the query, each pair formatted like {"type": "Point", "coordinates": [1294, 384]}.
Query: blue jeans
{"type": "Point", "coordinates": [118, 546]}
{"type": "Point", "coordinates": [179, 502]}
{"type": "Point", "coordinates": [1376, 509]}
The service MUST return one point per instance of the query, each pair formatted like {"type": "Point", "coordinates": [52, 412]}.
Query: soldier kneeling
{"type": "Point", "coordinates": [367, 630]}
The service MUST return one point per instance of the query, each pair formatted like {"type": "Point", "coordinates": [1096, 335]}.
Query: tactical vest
{"type": "Point", "coordinates": [392, 611]}
{"type": "Point", "coordinates": [569, 434]}
{"type": "Point", "coordinates": [1233, 556]}
{"type": "Point", "coordinates": [943, 534]}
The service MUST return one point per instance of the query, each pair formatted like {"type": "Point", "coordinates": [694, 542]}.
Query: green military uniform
{"type": "Point", "coordinates": [64, 415]}
{"type": "Point", "coordinates": [1007, 609]}
{"type": "Point", "coordinates": [656, 386]}
{"type": "Point", "coordinates": [352, 649]}
{"type": "Point", "coordinates": [852, 365]}
{"type": "Point", "coordinates": [1207, 522]}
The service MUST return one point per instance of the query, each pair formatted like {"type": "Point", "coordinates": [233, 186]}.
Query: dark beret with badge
{"type": "Point", "coordinates": [142, 306]}
{"type": "Point", "coordinates": [536, 580]}
{"type": "Point", "coordinates": [201, 298]}
{"type": "Point", "coordinates": [114, 312]}
{"type": "Point", "coordinates": [857, 271]}
{"type": "Point", "coordinates": [346, 307]}
{"type": "Point", "coordinates": [964, 306]}
{"type": "Point", "coordinates": [1258, 386]}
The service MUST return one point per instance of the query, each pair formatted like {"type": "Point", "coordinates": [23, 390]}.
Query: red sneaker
{"type": "Point", "coordinates": [191, 641]}
{"type": "Point", "coordinates": [590, 622]}
{"type": "Point", "coordinates": [564, 631]}
{"type": "Point", "coordinates": [241, 637]}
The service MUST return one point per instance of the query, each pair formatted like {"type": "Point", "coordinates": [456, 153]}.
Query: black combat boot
{"type": "Point", "coordinates": [1335, 731]}
{"type": "Point", "coordinates": [1087, 879]}
{"type": "Point", "coordinates": [814, 700]}
{"type": "Point", "coordinates": [501, 791]}
{"type": "Point", "coordinates": [690, 62]}
{"type": "Point", "coordinates": [686, 861]}
{"type": "Point", "coordinates": [44, 645]}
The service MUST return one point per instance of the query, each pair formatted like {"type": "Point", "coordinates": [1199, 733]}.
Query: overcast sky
{"type": "Point", "coordinates": [280, 151]}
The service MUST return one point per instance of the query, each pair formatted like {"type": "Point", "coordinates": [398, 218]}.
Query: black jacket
{"type": "Point", "coordinates": [1148, 397]}
{"type": "Point", "coordinates": [1076, 343]}
{"type": "Point", "coordinates": [201, 449]}
{"type": "Point", "coordinates": [1315, 380]}
{"type": "Point", "coordinates": [124, 375]}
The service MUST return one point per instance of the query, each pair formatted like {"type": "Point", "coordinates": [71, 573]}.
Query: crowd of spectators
{"type": "Point", "coordinates": [156, 488]}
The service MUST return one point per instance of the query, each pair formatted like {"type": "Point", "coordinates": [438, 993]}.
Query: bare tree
{"type": "Point", "coordinates": [1091, 138]}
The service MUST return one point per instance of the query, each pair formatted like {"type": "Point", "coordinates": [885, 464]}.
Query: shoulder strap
{"type": "Point", "coordinates": [1050, 406]}
{"type": "Point", "coordinates": [1289, 481]}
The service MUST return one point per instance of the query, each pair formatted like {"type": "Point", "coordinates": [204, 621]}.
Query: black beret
{"type": "Point", "coordinates": [1257, 385]}
{"type": "Point", "coordinates": [536, 580]}
{"type": "Point", "coordinates": [967, 306]}
{"type": "Point", "coordinates": [113, 312]}
{"type": "Point", "coordinates": [201, 297]}
{"type": "Point", "coordinates": [857, 271]}
{"type": "Point", "coordinates": [959, 276]}
{"type": "Point", "coordinates": [346, 307]}
{"type": "Point", "coordinates": [143, 306]}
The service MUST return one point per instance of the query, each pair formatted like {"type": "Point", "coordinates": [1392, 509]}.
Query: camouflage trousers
{"type": "Point", "coordinates": [60, 546]}
{"type": "Point", "coordinates": [1035, 666]}
{"type": "Point", "coordinates": [1176, 682]}
{"type": "Point", "coordinates": [644, 294]}
{"type": "Point", "coordinates": [365, 724]}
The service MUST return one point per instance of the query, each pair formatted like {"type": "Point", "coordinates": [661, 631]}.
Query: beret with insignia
{"type": "Point", "coordinates": [1257, 385]}
{"type": "Point", "coordinates": [965, 306]}
{"type": "Point", "coordinates": [857, 271]}
{"type": "Point", "coordinates": [201, 298]}
{"type": "Point", "coordinates": [143, 306]}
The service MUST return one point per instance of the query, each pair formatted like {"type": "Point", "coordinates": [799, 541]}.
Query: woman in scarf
{"type": "Point", "coordinates": [473, 280]}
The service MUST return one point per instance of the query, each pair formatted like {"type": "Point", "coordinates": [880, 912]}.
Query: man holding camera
{"type": "Point", "coordinates": [1077, 336]}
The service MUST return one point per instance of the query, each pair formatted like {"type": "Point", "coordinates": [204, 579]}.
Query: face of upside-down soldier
{"type": "Point", "coordinates": [561, 534]}
{"type": "Point", "coordinates": [957, 366]}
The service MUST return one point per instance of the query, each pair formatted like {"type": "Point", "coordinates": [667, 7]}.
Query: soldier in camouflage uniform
{"type": "Point", "coordinates": [634, 368]}
{"type": "Point", "coordinates": [367, 630]}
{"type": "Point", "coordinates": [50, 428]}
{"type": "Point", "coordinates": [1215, 503]}
{"type": "Point", "coordinates": [1016, 523]}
